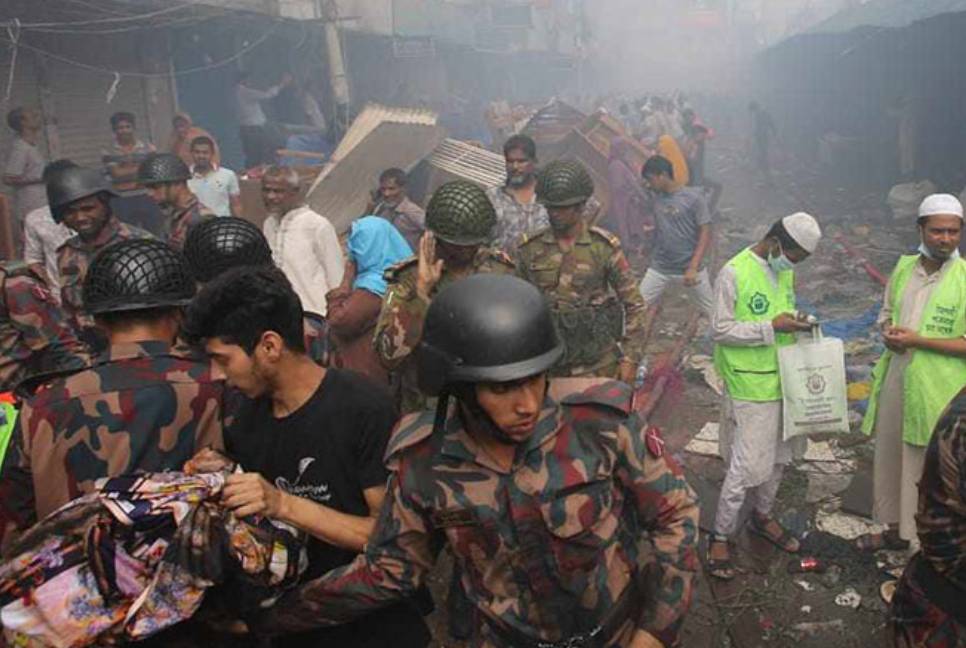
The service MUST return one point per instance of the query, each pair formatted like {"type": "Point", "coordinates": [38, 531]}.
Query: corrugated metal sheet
{"type": "Point", "coordinates": [375, 114]}
{"type": "Point", "coordinates": [887, 14]}
{"type": "Point", "coordinates": [469, 162]}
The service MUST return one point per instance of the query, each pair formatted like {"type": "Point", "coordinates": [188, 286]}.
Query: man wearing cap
{"type": "Point", "coordinates": [141, 406]}
{"type": "Point", "coordinates": [165, 178]}
{"type": "Point", "coordinates": [460, 219]}
{"type": "Point", "coordinates": [923, 323]}
{"type": "Point", "coordinates": [754, 314]}
{"type": "Point", "coordinates": [81, 199]}
{"type": "Point", "coordinates": [543, 500]}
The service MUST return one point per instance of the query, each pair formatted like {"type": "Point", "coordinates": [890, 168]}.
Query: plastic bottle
{"type": "Point", "coordinates": [806, 565]}
{"type": "Point", "coordinates": [641, 374]}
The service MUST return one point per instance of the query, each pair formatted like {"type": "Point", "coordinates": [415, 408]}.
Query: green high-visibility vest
{"type": "Point", "coordinates": [931, 379]}
{"type": "Point", "coordinates": [751, 372]}
{"type": "Point", "coordinates": [8, 416]}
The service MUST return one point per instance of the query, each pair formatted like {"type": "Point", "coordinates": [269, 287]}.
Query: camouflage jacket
{"type": "Point", "coordinates": [177, 221]}
{"type": "Point", "coordinates": [140, 407]}
{"type": "Point", "coordinates": [35, 336]}
{"type": "Point", "coordinates": [74, 257]}
{"type": "Point", "coordinates": [546, 547]}
{"type": "Point", "coordinates": [941, 515]}
{"type": "Point", "coordinates": [400, 324]}
{"type": "Point", "coordinates": [594, 296]}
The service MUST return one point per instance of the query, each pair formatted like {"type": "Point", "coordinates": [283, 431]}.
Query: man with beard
{"type": "Point", "coordinates": [587, 279]}
{"type": "Point", "coordinates": [165, 177]}
{"type": "Point", "coordinates": [392, 203]}
{"type": "Point", "coordinates": [543, 502]}
{"type": "Point", "coordinates": [304, 244]}
{"type": "Point", "coordinates": [80, 199]}
{"type": "Point", "coordinates": [459, 219]}
{"type": "Point", "coordinates": [923, 322]}
{"type": "Point", "coordinates": [517, 211]}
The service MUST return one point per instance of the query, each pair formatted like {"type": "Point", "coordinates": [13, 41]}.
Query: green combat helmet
{"type": "Point", "coordinates": [460, 213]}
{"type": "Point", "coordinates": [564, 183]}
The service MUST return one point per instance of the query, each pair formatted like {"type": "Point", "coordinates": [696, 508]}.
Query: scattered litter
{"type": "Point", "coordinates": [887, 590]}
{"type": "Point", "coordinates": [821, 459]}
{"type": "Point", "coordinates": [811, 628]}
{"type": "Point", "coordinates": [806, 609]}
{"type": "Point", "coordinates": [819, 451]}
{"type": "Point", "coordinates": [704, 364]}
{"type": "Point", "coordinates": [846, 526]}
{"type": "Point", "coordinates": [822, 486]}
{"type": "Point", "coordinates": [849, 598]}
{"type": "Point", "coordinates": [706, 441]}
{"type": "Point", "coordinates": [858, 391]}
{"type": "Point", "coordinates": [805, 585]}
{"type": "Point", "coordinates": [832, 576]}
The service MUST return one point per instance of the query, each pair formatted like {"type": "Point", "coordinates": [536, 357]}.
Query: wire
{"type": "Point", "coordinates": [115, 19]}
{"type": "Point", "coordinates": [149, 75]}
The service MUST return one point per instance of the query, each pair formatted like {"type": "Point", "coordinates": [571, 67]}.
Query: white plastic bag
{"type": "Point", "coordinates": [813, 386]}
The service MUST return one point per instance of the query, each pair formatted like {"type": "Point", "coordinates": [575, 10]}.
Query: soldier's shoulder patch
{"type": "Point", "coordinates": [411, 431]}
{"type": "Point", "coordinates": [611, 238]}
{"type": "Point", "coordinates": [612, 394]}
{"type": "Point", "coordinates": [654, 441]}
{"type": "Point", "coordinates": [393, 272]}
{"type": "Point", "coordinates": [492, 254]}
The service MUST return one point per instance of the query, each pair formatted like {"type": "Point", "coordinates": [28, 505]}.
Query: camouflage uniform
{"type": "Point", "coordinates": [34, 334]}
{"type": "Point", "coordinates": [140, 407]}
{"type": "Point", "coordinates": [593, 294]}
{"type": "Point", "coordinates": [400, 324]}
{"type": "Point", "coordinates": [545, 549]}
{"type": "Point", "coordinates": [179, 220]}
{"type": "Point", "coordinates": [935, 581]}
{"type": "Point", "coordinates": [74, 257]}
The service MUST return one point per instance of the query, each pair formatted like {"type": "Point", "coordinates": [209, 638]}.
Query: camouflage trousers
{"type": "Point", "coordinates": [917, 622]}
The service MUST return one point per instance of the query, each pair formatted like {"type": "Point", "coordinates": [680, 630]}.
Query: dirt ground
{"type": "Point", "coordinates": [765, 605]}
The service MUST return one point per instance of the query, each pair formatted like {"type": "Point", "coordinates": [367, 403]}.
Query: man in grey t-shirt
{"type": "Point", "coordinates": [682, 237]}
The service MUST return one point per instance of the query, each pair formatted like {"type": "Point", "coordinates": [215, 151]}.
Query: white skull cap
{"type": "Point", "coordinates": [804, 229]}
{"type": "Point", "coordinates": [941, 205]}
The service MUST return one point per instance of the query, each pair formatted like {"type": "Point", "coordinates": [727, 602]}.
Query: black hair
{"type": "Point", "coordinates": [122, 116]}
{"type": "Point", "coordinates": [521, 143]}
{"type": "Point", "coordinates": [657, 165]}
{"type": "Point", "coordinates": [15, 119]}
{"type": "Point", "coordinates": [203, 139]}
{"type": "Point", "coordinates": [396, 174]}
{"type": "Point", "coordinates": [778, 231]}
{"type": "Point", "coordinates": [119, 319]}
{"type": "Point", "coordinates": [55, 167]}
{"type": "Point", "coordinates": [241, 304]}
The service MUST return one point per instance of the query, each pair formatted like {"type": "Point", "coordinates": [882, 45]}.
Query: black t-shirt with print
{"type": "Point", "coordinates": [329, 451]}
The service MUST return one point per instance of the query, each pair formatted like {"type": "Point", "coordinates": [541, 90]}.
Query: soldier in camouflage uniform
{"type": "Point", "coordinates": [220, 244]}
{"type": "Point", "coordinates": [542, 502]}
{"type": "Point", "coordinates": [581, 269]}
{"type": "Point", "coordinates": [141, 406]}
{"type": "Point", "coordinates": [459, 220]}
{"type": "Point", "coordinates": [80, 198]}
{"type": "Point", "coordinates": [928, 609]}
{"type": "Point", "coordinates": [35, 337]}
{"type": "Point", "coordinates": [165, 178]}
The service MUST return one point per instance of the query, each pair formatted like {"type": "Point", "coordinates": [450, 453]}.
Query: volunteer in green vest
{"type": "Point", "coordinates": [754, 313]}
{"type": "Point", "coordinates": [923, 322]}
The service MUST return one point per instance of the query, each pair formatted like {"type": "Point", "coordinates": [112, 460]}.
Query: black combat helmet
{"type": "Point", "coordinates": [460, 213]}
{"type": "Point", "coordinates": [486, 328]}
{"type": "Point", "coordinates": [162, 167]}
{"type": "Point", "coordinates": [219, 244]}
{"type": "Point", "coordinates": [564, 183]}
{"type": "Point", "coordinates": [71, 184]}
{"type": "Point", "coordinates": [137, 274]}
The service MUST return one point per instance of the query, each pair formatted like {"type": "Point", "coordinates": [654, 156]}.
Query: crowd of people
{"type": "Point", "coordinates": [458, 376]}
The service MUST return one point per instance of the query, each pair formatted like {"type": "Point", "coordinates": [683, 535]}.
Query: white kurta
{"type": "Point", "coordinates": [750, 435]}
{"type": "Point", "coordinates": [898, 465]}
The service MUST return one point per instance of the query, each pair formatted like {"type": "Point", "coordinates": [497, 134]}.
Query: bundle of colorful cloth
{"type": "Point", "coordinates": [137, 556]}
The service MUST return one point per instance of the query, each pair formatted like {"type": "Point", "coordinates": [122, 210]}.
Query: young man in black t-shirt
{"type": "Point", "coordinates": [310, 440]}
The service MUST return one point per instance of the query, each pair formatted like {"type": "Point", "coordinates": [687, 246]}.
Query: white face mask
{"type": "Point", "coordinates": [781, 262]}
{"type": "Point", "coordinates": [926, 252]}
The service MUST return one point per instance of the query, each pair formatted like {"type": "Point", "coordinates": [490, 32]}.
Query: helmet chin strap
{"type": "Point", "coordinates": [474, 415]}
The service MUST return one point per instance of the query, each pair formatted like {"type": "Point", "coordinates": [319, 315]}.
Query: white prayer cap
{"type": "Point", "coordinates": [941, 205]}
{"type": "Point", "coordinates": [804, 229]}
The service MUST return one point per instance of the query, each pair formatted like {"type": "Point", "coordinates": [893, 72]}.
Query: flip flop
{"type": "Point", "coordinates": [722, 569]}
{"type": "Point", "coordinates": [781, 541]}
{"type": "Point", "coordinates": [889, 540]}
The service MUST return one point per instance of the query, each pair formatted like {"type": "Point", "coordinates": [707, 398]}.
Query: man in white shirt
{"type": "Point", "coordinates": [251, 119]}
{"type": "Point", "coordinates": [216, 187]}
{"type": "Point", "coordinates": [24, 166]}
{"type": "Point", "coordinates": [42, 236]}
{"type": "Point", "coordinates": [304, 244]}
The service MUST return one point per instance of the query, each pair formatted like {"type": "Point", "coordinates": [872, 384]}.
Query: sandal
{"type": "Point", "coordinates": [782, 541]}
{"type": "Point", "coordinates": [722, 568]}
{"type": "Point", "coordinates": [890, 540]}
